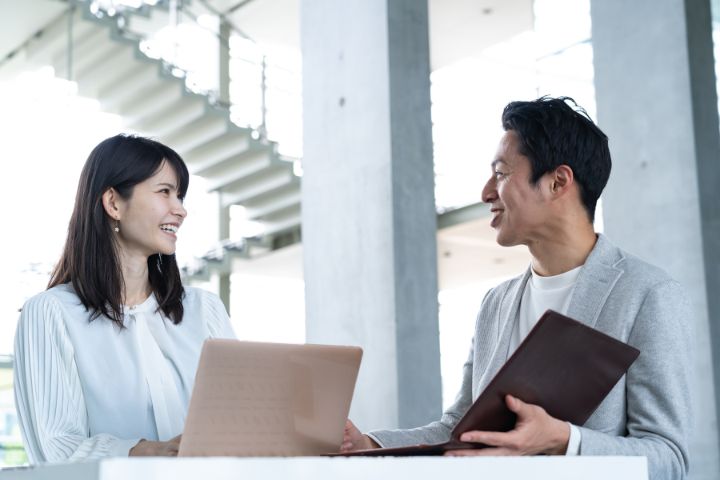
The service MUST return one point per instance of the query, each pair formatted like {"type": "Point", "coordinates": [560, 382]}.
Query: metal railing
{"type": "Point", "coordinates": [260, 92]}
{"type": "Point", "coordinates": [257, 90]}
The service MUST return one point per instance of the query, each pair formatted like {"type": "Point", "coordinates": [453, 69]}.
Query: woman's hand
{"type": "Point", "coordinates": [353, 439]}
{"type": "Point", "coordinates": [146, 448]}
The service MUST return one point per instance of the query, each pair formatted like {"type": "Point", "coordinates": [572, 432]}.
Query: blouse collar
{"type": "Point", "coordinates": [149, 305]}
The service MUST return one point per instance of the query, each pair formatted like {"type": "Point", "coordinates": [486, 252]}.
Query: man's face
{"type": "Point", "coordinates": [518, 208]}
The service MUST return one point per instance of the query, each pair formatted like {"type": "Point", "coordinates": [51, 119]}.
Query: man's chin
{"type": "Point", "coordinates": [505, 241]}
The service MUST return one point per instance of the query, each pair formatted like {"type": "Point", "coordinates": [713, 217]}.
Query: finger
{"type": "Point", "coordinates": [494, 439]}
{"type": "Point", "coordinates": [175, 440]}
{"type": "Point", "coordinates": [514, 403]}
{"type": "Point", "coordinates": [521, 408]}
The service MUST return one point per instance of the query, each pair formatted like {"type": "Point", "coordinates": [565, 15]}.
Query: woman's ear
{"type": "Point", "coordinates": [111, 203]}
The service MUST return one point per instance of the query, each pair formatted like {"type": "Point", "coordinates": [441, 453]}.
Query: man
{"type": "Point", "coordinates": [549, 171]}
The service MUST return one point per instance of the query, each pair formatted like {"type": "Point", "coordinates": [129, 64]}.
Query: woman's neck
{"type": "Point", "coordinates": [135, 278]}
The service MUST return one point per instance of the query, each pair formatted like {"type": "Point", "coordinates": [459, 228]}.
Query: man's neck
{"type": "Point", "coordinates": [565, 251]}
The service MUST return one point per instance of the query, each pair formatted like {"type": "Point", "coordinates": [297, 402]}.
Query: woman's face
{"type": "Point", "coordinates": [152, 216]}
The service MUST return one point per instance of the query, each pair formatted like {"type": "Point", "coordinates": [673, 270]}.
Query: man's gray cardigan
{"type": "Point", "coordinates": [648, 411]}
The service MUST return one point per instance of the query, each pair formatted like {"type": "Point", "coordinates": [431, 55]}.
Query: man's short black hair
{"type": "Point", "coordinates": [554, 133]}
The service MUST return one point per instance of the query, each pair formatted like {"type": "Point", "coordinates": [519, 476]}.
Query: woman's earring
{"type": "Point", "coordinates": [117, 226]}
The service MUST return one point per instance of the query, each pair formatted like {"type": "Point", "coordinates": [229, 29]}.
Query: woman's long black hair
{"type": "Point", "coordinates": [90, 260]}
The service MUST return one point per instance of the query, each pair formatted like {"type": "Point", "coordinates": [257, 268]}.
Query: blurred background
{"type": "Point", "coordinates": [221, 80]}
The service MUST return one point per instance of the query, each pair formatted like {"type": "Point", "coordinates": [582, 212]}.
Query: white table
{"type": "Point", "coordinates": [318, 468]}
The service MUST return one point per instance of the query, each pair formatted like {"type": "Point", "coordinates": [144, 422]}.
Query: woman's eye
{"type": "Point", "coordinates": [499, 174]}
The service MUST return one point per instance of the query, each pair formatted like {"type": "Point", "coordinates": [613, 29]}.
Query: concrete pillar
{"type": "Point", "coordinates": [225, 31]}
{"type": "Point", "coordinates": [656, 100]}
{"type": "Point", "coordinates": [368, 203]}
{"type": "Point", "coordinates": [224, 61]}
{"type": "Point", "coordinates": [223, 278]}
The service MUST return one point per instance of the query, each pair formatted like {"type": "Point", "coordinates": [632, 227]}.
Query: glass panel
{"type": "Point", "coordinates": [11, 449]}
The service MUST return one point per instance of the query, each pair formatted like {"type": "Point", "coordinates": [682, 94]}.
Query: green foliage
{"type": "Point", "coordinates": [12, 454]}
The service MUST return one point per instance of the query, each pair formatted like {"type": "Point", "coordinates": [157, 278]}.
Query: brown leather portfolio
{"type": "Point", "coordinates": [562, 365]}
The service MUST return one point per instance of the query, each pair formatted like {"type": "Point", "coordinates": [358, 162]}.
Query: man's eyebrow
{"type": "Point", "coordinates": [496, 161]}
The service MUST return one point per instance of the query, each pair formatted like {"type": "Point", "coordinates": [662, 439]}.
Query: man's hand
{"type": "Point", "coordinates": [535, 432]}
{"type": "Point", "coordinates": [353, 439]}
{"type": "Point", "coordinates": [145, 448]}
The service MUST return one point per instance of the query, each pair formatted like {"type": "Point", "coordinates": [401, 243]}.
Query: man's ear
{"type": "Point", "coordinates": [561, 180]}
{"type": "Point", "coordinates": [111, 202]}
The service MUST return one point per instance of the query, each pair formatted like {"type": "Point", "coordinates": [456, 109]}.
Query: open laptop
{"type": "Point", "coordinates": [269, 399]}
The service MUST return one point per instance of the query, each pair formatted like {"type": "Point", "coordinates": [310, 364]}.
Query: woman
{"type": "Point", "coordinates": [105, 358]}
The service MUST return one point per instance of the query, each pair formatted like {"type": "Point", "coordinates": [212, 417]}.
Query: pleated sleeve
{"type": "Point", "coordinates": [218, 321]}
{"type": "Point", "coordinates": [48, 394]}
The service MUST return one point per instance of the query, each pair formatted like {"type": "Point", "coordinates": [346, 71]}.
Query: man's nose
{"type": "Point", "coordinates": [489, 192]}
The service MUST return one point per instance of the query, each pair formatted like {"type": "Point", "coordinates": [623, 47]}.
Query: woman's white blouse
{"type": "Point", "coordinates": [88, 389]}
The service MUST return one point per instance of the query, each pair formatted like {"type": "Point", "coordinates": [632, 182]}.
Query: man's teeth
{"type": "Point", "coordinates": [169, 228]}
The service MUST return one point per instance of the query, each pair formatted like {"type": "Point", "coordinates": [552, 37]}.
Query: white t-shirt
{"type": "Point", "coordinates": [541, 294]}
{"type": "Point", "coordinates": [87, 389]}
